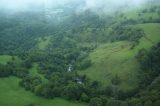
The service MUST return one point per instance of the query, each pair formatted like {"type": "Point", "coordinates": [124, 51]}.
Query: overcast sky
{"type": "Point", "coordinates": [17, 4]}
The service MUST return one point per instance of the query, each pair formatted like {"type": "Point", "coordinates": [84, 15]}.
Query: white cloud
{"type": "Point", "coordinates": [98, 3]}
{"type": "Point", "coordinates": [17, 4]}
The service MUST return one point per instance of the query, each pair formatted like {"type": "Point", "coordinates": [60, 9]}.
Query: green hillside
{"type": "Point", "coordinates": [75, 55]}
{"type": "Point", "coordinates": [118, 58]}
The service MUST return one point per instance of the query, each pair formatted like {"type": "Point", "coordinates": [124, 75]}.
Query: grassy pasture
{"type": "Point", "coordinates": [34, 72]}
{"type": "Point", "coordinates": [13, 95]}
{"type": "Point", "coordinates": [4, 59]}
{"type": "Point", "coordinates": [117, 58]}
{"type": "Point", "coordinates": [43, 42]}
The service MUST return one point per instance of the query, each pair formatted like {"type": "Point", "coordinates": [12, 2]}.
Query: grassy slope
{"type": "Point", "coordinates": [34, 72]}
{"type": "Point", "coordinates": [134, 13]}
{"type": "Point", "coordinates": [43, 43]}
{"type": "Point", "coordinates": [117, 58]}
{"type": "Point", "coordinates": [147, 15]}
{"type": "Point", "coordinates": [152, 31]}
{"type": "Point", "coordinates": [4, 59]}
{"type": "Point", "coordinates": [13, 95]}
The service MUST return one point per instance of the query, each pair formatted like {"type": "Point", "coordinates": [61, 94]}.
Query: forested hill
{"type": "Point", "coordinates": [74, 56]}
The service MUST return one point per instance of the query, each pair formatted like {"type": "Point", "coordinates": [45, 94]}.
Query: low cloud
{"type": "Point", "coordinates": [113, 5]}
{"type": "Point", "coordinates": [106, 5]}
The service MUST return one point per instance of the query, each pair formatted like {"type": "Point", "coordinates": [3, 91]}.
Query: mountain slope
{"type": "Point", "coordinates": [119, 59]}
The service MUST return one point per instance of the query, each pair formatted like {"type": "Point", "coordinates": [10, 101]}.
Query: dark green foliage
{"type": "Point", "coordinates": [27, 64]}
{"type": "Point", "coordinates": [84, 97]}
{"type": "Point", "coordinates": [72, 91]}
{"type": "Point", "coordinates": [122, 95]}
{"type": "Point", "coordinates": [116, 80]}
{"type": "Point", "coordinates": [149, 76]}
{"type": "Point", "coordinates": [47, 91]}
{"type": "Point", "coordinates": [20, 72]}
{"type": "Point", "coordinates": [150, 64]}
{"type": "Point", "coordinates": [134, 102]}
{"type": "Point", "coordinates": [5, 71]}
{"type": "Point", "coordinates": [127, 33]}
{"type": "Point", "coordinates": [113, 103]}
{"type": "Point", "coordinates": [12, 69]}
{"type": "Point", "coordinates": [29, 83]}
{"type": "Point", "coordinates": [67, 85]}
{"type": "Point", "coordinates": [95, 102]}
{"type": "Point", "coordinates": [104, 100]}
{"type": "Point", "coordinates": [124, 104]}
{"type": "Point", "coordinates": [139, 104]}
{"type": "Point", "coordinates": [148, 103]}
{"type": "Point", "coordinates": [108, 91]}
{"type": "Point", "coordinates": [159, 12]}
{"type": "Point", "coordinates": [84, 64]}
{"type": "Point", "coordinates": [157, 103]}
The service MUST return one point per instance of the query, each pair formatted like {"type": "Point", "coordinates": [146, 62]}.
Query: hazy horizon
{"type": "Point", "coordinates": [92, 4]}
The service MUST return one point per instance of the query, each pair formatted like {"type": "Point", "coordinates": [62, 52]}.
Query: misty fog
{"type": "Point", "coordinates": [108, 5]}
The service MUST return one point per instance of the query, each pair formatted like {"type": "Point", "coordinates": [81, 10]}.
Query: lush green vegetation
{"type": "Point", "coordinates": [13, 95]}
{"type": "Point", "coordinates": [111, 59]}
{"type": "Point", "coordinates": [100, 60]}
{"type": "Point", "coordinates": [34, 71]}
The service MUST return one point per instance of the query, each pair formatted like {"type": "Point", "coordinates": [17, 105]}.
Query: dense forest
{"type": "Point", "coordinates": [61, 49]}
